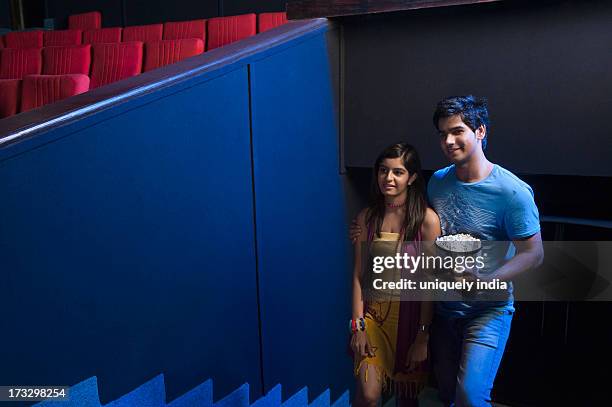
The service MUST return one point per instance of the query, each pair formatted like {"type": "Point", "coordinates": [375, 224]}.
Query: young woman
{"type": "Point", "coordinates": [390, 337]}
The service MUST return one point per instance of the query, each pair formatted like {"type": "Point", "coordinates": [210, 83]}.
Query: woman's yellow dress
{"type": "Point", "coordinates": [382, 318]}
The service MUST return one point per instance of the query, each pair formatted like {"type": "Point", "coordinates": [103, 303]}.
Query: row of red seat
{"type": "Point", "coordinates": [15, 63]}
{"type": "Point", "coordinates": [219, 31]}
{"type": "Point", "coordinates": [86, 56]}
{"type": "Point", "coordinates": [38, 90]}
{"type": "Point", "coordinates": [99, 64]}
{"type": "Point", "coordinates": [93, 20]}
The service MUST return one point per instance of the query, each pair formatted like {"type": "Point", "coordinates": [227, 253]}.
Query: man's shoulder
{"type": "Point", "coordinates": [510, 182]}
{"type": "Point", "coordinates": [437, 180]}
{"type": "Point", "coordinates": [441, 174]}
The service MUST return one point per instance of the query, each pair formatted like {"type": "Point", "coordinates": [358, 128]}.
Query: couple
{"type": "Point", "coordinates": [391, 340]}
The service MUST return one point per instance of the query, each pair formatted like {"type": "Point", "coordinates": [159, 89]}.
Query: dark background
{"type": "Point", "coordinates": [545, 68]}
{"type": "Point", "coordinates": [5, 14]}
{"type": "Point", "coordinates": [133, 12]}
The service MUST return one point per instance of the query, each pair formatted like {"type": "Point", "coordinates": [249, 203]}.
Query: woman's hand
{"type": "Point", "coordinates": [354, 231]}
{"type": "Point", "coordinates": [360, 344]}
{"type": "Point", "coordinates": [418, 351]}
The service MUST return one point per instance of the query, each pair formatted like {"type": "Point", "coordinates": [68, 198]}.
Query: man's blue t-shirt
{"type": "Point", "coordinates": [499, 207]}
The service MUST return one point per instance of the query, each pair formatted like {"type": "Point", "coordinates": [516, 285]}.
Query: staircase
{"type": "Point", "coordinates": [153, 394]}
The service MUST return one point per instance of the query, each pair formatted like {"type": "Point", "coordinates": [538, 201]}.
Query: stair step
{"type": "Point", "coordinates": [150, 394]}
{"type": "Point", "coordinates": [299, 399]}
{"type": "Point", "coordinates": [272, 399]}
{"type": "Point", "coordinates": [82, 394]}
{"type": "Point", "coordinates": [237, 398]}
{"type": "Point", "coordinates": [322, 400]}
{"type": "Point", "coordinates": [343, 400]}
{"type": "Point", "coordinates": [153, 394]}
{"type": "Point", "coordinates": [199, 396]}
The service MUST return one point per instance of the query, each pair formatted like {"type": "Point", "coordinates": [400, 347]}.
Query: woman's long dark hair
{"type": "Point", "coordinates": [416, 203]}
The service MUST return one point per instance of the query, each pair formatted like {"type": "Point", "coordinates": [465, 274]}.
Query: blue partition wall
{"type": "Point", "coordinates": [196, 231]}
{"type": "Point", "coordinates": [301, 231]}
{"type": "Point", "coordinates": [127, 246]}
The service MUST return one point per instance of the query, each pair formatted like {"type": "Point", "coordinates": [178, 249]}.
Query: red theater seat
{"type": "Point", "coordinates": [74, 59]}
{"type": "Point", "coordinates": [16, 63]}
{"type": "Point", "coordinates": [62, 37]}
{"type": "Point", "coordinates": [102, 36]}
{"type": "Point", "coordinates": [24, 39]}
{"type": "Point", "coordinates": [10, 96]}
{"type": "Point", "coordinates": [185, 29]}
{"type": "Point", "coordinates": [267, 21]}
{"type": "Point", "coordinates": [225, 30]}
{"type": "Point", "coordinates": [85, 21]}
{"type": "Point", "coordinates": [113, 62]}
{"type": "Point", "coordinates": [167, 52]}
{"type": "Point", "coordinates": [40, 90]}
{"type": "Point", "coordinates": [144, 33]}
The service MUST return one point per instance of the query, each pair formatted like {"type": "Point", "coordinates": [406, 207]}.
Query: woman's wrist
{"type": "Point", "coordinates": [357, 325]}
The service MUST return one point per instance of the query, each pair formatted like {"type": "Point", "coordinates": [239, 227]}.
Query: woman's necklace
{"type": "Point", "coordinates": [395, 205]}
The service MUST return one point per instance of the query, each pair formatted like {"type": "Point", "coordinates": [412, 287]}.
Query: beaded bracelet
{"type": "Point", "coordinates": [356, 325]}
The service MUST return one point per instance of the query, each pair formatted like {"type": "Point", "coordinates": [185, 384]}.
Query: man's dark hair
{"type": "Point", "coordinates": [473, 112]}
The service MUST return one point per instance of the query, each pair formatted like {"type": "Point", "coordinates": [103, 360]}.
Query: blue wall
{"type": "Point", "coordinates": [196, 231]}
{"type": "Point", "coordinates": [300, 220]}
{"type": "Point", "coordinates": [128, 247]}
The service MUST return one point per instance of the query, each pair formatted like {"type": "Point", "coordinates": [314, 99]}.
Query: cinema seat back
{"type": "Point", "coordinates": [144, 33]}
{"type": "Point", "coordinates": [62, 37]}
{"type": "Point", "coordinates": [268, 21]}
{"type": "Point", "coordinates": [17, 63]}
{"type": "Point", "coordinates": [225, 30]}
{"type": "Point", "coordinates": [85, 21]}
{"type": "Point", "coordinates": [102, 35]}
{"type": "Point", "coordinates": [160, 53]}
{"type": "Point", "coordinates": [75, 59]}
{"type": "Point", "coordinates": [24, 39]}
{"type": "Point", "coordinates": [185, 29]}
{"type": "Point", "coordinates": [113, 62]}
{"type": "Point", "coordinates": [10, 96]}
{"type": "Point", "coordinates": [40, 90]}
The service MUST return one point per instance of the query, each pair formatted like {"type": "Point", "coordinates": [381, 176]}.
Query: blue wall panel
{"type": "Point", "coordinates": [127, 248]}
{"type": "Point", "coordinates": [301, 232]}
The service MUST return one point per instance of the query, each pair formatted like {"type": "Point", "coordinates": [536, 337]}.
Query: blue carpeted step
{"type": "Point", "coordinates": [272, 399]}
{"type": "Point", "coordinates": [237, 398]}
{"type": "Point", "coordinates": [342, 401]}
{"type": "Point", "coordinates": [299, 399]}
{"type": "Point", "coordinates": [200, 396]}
{"type": "Point", "coordinates": [322, 400]}
{"type": "Point", "coordinates": [150, 394]}
{"type": "Point", "coordinates": [83, 394]}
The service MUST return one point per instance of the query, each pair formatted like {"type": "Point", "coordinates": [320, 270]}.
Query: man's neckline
{"type": "Point", "coordinates": [493, 167]}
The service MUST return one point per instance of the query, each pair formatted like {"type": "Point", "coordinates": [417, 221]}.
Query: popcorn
{"type": "Point", "coordinates": [459, 243]}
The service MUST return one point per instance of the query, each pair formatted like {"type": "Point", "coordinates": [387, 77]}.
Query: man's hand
{"type": "Point", "coordinates": [417, 352]}
{"type": "Point", "coordinates": [529, 255]}
{"type": "Point", "coordinates": [466, 276]}
{"type": "Point", "coordinates": [354, 231]}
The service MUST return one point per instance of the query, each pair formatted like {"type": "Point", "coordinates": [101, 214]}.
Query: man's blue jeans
{"type": "Point", "coordinates": [466, 353]}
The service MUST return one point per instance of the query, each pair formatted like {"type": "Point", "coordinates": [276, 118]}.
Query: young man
{"type": "Point", "coordinates": [475, 196]}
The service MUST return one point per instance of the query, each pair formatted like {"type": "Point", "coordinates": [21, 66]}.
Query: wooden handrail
{"type": "Point", "coordinates": [301, 9]}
